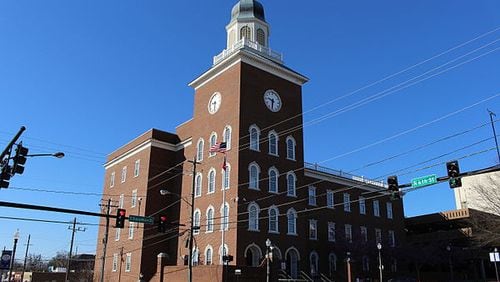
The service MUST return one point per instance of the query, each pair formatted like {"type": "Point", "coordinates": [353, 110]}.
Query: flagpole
{"type": "Point", "coordinates": [224, 219]}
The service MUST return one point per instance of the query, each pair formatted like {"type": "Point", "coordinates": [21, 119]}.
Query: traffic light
{"type": "Point", "coordinates": [162, 223]}
{"type": "Point", "coordinates": [19, 159]}
{"type": "Point", "coordinates": [120, 218]}
{"type": "Point", "coordinates": [453, 173]}
{"type": "Point", "coordinates": [393, 187]}
{"type": "Point", "coordinates": [5, 176]}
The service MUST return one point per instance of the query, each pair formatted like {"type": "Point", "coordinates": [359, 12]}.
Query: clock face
{"type": "Point", "coordinates": [214, 103]}
{"type": "Point", "coordinates": [272, 100]}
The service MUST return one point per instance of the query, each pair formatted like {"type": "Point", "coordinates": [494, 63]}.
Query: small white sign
{"type": "Point", "coordinates": [495, 257]}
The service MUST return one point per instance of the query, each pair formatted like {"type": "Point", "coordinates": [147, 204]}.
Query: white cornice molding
{"type": "Point", "coordinates": [343, 181]}
{"type": "Point", "coordinates": [250, 58]}
{"type": "Point", "coordinates": [148, 144]}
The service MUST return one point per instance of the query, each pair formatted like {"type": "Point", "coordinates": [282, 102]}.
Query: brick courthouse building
{"type": "Point", "coordinates": [315, 217]}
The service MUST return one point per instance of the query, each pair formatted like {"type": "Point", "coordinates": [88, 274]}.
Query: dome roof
{"type": "Point", "coordinates": [245, 9]}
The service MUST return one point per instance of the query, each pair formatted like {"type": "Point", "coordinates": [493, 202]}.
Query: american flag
{"type": "Point", "coordinates": [218, 148]}
{"type": "Point", "coordinates": [224, 166]}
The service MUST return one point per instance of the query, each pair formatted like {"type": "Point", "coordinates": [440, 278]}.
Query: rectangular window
{"type": "Point", "coordinates": [134, 198]}
{"type": "Point", "coordinates": [364, 234]}
{"type": "Point", "coordinates": [347, 202]}
{"type": "Point", "coordinates": [124, 174]}
{"type": "Point", "coordinates": [331, 231]}
{"type": "Point", "coordinates": [131, 230]}
{"type": "Point", "coordinates": [392, 238]}
{"type": "Point", "coordinates": [120, 203]}
{"type": "Point", "coordinates": [137, 166]}
{"type": "Point", "coordinates": [313, 229]}
{"type": "Point", "coordinates": [330, 202]}
{"type": "Point", "coordinates": [362, 205]}
{"type": "Point", "coordinates": [128, 262]}
{"type": "Point", "coordinates": [378, 235]}
{"type": "Point", "coordinates": [115, 262]}
{"type": "Point", "coordinates": [376, 208]}
{"type": "Point", "coordinates": [348, 233]}
{"type": "Point", "coordinates": [389, 210]}
{"type": "Point", "coordinates": [118, 231]}
{"type": "Point", "coordinates": [312, 196]}
{"type": "Point", "coordinates": [112, 179]}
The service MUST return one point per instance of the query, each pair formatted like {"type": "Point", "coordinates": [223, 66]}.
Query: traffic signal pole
{"type": "Point", "coordinates": [12, 142]}
{"type": "Point", "coordinates": [105, 240]}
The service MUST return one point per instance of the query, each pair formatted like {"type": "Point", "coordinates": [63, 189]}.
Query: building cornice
{"type": "Point", "coordinates": [253, 59]}
{"type": "Point", "coordinates": [148, 144]}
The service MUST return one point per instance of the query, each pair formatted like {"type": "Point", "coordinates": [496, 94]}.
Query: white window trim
{"type": "Point", "coordinates": [362, 203]}
{"type": "Point", "coordinates": [213, 219]}
{"type": "Point", "coordinates": [118, 232]}
{"type": "Point", "coordinates": [315, 200]}
{"type": "Point", "coordinates": [291, 211]}
{"type": "Point", "coordinates": [133, 200]}
{"type": "Point", "coordinates": [210, 155]}
{"type": "Point", "coordinates": [215, 181]}
{"type": "Point", "coordinates": [131, 230]}
{"type": "Point", "coordinates": [209, 247]}
{"type": "Point", "coordinates": [124, 174]}
{"type": "Point", "coordinates": [200, 149]}
{"type": "Point", "coordinates": [199, 177]}
{"type": "Point", "coordinates": [253, 164]}
{"type": "Point", "coordinates": [347, 203]}
{"type": "Point", "coordinates": [346, 228]}
{"type": "Point", "coordinates": [228, 143]}
{"type": "Point", "coordinates": [114, 266]}
{"type": "Point", "coordinates": [222, 217]}
{"type": "Point", "coordinates": [224, 172]}
{"type": "Point", "coordinates": [276, 136]}
{"type": "Point", "coordinates": [198, 224]}
{"type": "Point", "coordinates": [257, 217]}
{"type": "Point", "coordinates": [328, 192]}
{"type": "Point", "coordinates": [294, 157]}
{"type": "Point", "coordinates": [250, 138]}
{"type": "Point", "coordinates": [128, 262]}
{"type": "Point", "coordinates": [295, 185]}
{"type": "Point", "coordinates": [390, 212]}
{"type": "Point", "coordinates": [334, 237]}
{"type": "Point", "coordinates": [376, 208]}
{"type": "Point", "coordinates": [277, 180]}
{"type": "Point", "coordinates": [277, 231]}
{"type": "Point", "coordinates": [112, 180]}
{"type": "Point", "coordinates": [137, 168]}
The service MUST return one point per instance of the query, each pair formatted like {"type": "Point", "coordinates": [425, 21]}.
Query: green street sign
{"type": "Point", "coordinates": [423, 181]}
{"type": "Point", "coordinates": [141, 219]}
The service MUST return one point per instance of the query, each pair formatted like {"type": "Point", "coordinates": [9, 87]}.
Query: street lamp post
{"type": "Point", "coordinates": [380, 267]}
{"type": "Point", "coordinates": [269, 254]}
{"type": "Point", "coordinates": [495, 253]}
{"type": "Point", "coordinates": [348, 262]}
{"type": "Point", "coordinates": [16, 238]}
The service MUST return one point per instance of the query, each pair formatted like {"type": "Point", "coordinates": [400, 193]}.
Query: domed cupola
{"type": "Point", "coordinates": [247, 24]}
{"type": "Point", "coordinates": [246, 9]}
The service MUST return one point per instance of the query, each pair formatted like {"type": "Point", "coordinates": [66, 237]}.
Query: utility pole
{"type": "Point", "coordinates": [71, 246]}
{"type": "Point", "coordinates": [191, 239]}
{"type": "Point", "coordinates": [494, 132]}
{"type": "Point", "coordinates": [25, 257]}
{"type": "Point", "coordinates": [105, 239]}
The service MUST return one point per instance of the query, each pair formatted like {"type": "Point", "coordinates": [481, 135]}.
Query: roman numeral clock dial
{"type": "Point", "coordinates": [272, 100]}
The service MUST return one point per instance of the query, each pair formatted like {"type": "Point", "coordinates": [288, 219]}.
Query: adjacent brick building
{"type": "Point", "coordinates": [260, 188]}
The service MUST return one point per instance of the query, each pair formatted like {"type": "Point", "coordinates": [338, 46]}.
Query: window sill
{"type": "Point", "coordinates": [253, 230]}
{"type": "Point", "coordinates": [273, 232]}
{"type": "Point", "coordinates": [292, 234]}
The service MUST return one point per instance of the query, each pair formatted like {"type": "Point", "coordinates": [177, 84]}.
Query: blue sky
{"type": "Point", "coordinates": [85, 77]}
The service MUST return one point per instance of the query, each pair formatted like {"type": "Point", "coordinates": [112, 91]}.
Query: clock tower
{"type": "Point", "coordinates": [253, 102]}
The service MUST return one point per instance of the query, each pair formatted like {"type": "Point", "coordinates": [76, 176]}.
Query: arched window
{"type": "Point", "coordinates": [292, 262]}
{"type": "Point", "coordinates": [211, 181]}
{"type": "Point", "coordinates": [261, 37]}
{"type": "Point", "coordinates": [199, 150]}
{"type": "Point", "coordinates": [290, 148]}
{"type": "Point", "coordinates": [213, 141]}
{"type": "Point", "coordinates": [291, 216]}
{"type": "Point", "coordinates": [332, 263]}
{"type": "Point", "coordinates": [210, 219]}
{"type": "Point", "coordinates": [273, 214]}
{"type": "Point", "coordinates": [314, 263]}
{"type": "Point", "coordinates": [197, 190]}
{"type": "Point", "coordinates": [291, 184]}
{"type": "Point", "coordinates": [226, 136]}
{"type": "Point", "coordinates": [253, 174]}
{"type": "Point", "coordinates": [224, 221]}
{"type": "Point", "coordinates": [196, 221]}
{"type": "Point", "coordinates": [226, 173]}
{"type": "Point", "coordinates": [273, 180]}
{"type": "Point", "coordinates": [253, 217]}
{"type": "Point", "coordinates": [273, 143]}
{"type": "Point", "coordinates": [246, 32]}
{"type": "Point", "coordinates": [208, 255]}
{"type": "Point", "coordinates": [254, 137]}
